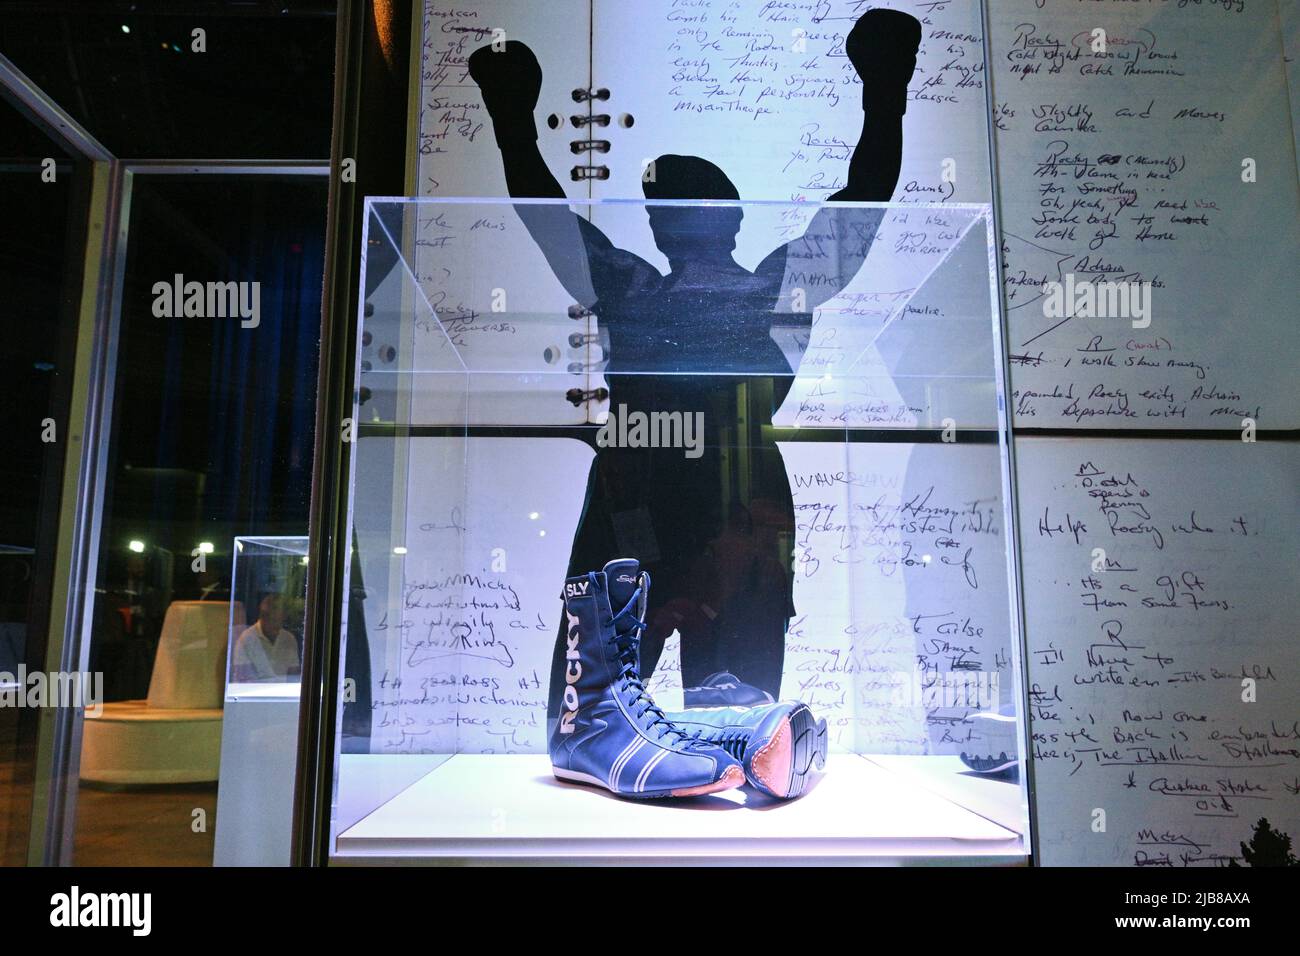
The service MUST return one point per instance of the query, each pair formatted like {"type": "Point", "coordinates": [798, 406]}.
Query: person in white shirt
{"type": "Point", "coordinates": [266, 651]}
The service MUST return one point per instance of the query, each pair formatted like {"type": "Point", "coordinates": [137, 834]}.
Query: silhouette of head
{"type": "Point", "coordinates": [685, 233]}
{"type": "Point", "coordinates": [270, 611]}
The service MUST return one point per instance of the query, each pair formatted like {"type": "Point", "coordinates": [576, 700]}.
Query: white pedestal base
{"type": "Point", "coordinates": [259, 754]}
{"type": "Point", "coordinates": [486, 808]}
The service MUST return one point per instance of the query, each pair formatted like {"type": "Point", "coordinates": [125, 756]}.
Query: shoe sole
{"type": "Point", "coordinates": [783, 766]}
{"type": "Point", "coordinates": [987, 763]}
{"type": "Point", "coordinates": [998, 732]}
{"type": "Point", "coordinates": [731, 778]}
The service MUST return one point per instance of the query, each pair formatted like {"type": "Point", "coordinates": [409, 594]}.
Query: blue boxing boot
{"type": "Point", "coordinates": [780, 745]}
{"type": "Point", "coordinates": [608, 731]}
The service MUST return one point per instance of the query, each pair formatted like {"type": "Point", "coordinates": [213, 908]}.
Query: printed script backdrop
{"type": "Point", "coordinates": [1124, 165]}
{"type": "Point", "coordinates": [762, 89]}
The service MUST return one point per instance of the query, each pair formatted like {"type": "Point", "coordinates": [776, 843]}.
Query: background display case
{"type": "Point", "coordinates": [791, 413]}
{"type": "Point", "coordinates": [263, 684]}
{"type": "Point", "coordinates": [269, 589]}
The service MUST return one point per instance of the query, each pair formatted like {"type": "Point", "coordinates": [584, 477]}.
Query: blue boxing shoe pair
{"type": "Point", "coordinates": [610, 733]}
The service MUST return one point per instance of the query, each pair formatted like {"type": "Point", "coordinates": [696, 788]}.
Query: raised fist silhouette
{"type": "Point", "coordinates": [882, 47]}
{"type": "Point", "coordinates": [510, 81]}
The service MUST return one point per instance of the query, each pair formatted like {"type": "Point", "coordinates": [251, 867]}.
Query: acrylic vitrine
{"type": "Point", "coordinates": [260, 711]}
{"type": "Point", "coordinates": [790, 414]}
{"type": "Point", "coordinates": [268, 591]}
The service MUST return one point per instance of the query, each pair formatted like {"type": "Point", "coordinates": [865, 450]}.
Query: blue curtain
{"type": "Point", "coordinates": [262, 386]}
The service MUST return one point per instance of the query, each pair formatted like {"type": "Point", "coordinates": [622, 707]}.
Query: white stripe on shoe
{"type": "Point", "coordinates": [644, 775]}
{"type": "Point", "coordinates": [628, 753]}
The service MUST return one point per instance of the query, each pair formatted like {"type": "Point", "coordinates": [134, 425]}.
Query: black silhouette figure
{"type": "Point", "coordinates": [700, 340]}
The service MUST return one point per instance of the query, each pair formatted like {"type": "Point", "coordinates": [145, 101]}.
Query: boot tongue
{"type": "Point", "coordinates": [621, 574]}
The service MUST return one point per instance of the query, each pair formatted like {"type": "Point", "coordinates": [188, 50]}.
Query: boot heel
{"type": "Point", "coordinates": [809, 748]}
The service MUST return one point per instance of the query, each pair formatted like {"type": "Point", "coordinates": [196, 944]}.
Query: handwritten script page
{"type": "Point", "coordinates": [765, 91]}
{"type": "Point", "coordinates": [458, 151]}
{"type": "Point", "coordinates": [1127, 166]}
{"type": "Point", "coordinates": [1160, 601]}
{"type": "Point", "coordinates": [900, 585]}
{"type": "Point", "coordinates": [463, 624]}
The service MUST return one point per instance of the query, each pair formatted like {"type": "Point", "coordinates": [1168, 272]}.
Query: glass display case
{"type": "Point", "coordinates": [263, 686]}
{"type": "Point", "coordinates": [784, 424]}
{"type": "Point", "coordinates": [268, 593]}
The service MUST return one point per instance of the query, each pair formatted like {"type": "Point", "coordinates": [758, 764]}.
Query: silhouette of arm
{"type": "Point", "coordinates": [823, 261]}
{"type": "Point", "coordinates": [588, 265]}
{"type": "Point", "coordinates": [877, 159]}
{"type": "Point", "coordinates": [527, 175]}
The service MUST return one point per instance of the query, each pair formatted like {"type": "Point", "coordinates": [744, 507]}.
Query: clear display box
{"type": "Point", "coordinates": [263, 689]}
{"type": "Point", "coordinates": [268, 596]}
{"type": "Point", "coordinates": [790, 414]}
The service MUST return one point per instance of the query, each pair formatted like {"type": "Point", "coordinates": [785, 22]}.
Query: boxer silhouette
{"type": "Point", "coordinates": [716, 531]}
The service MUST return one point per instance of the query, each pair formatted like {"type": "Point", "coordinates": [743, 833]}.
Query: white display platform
{"type": "Point", "coordinates": [498, 808]}
{"type": "Point", "coordinates": [367, 781]}
{"type": "Point", "coordinates": [265, 690]}
{"type": "Point", "coordinates": [948, 777]}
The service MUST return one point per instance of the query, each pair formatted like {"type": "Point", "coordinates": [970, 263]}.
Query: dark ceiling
{"type": "Point", "coordinates": [129, 74]}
